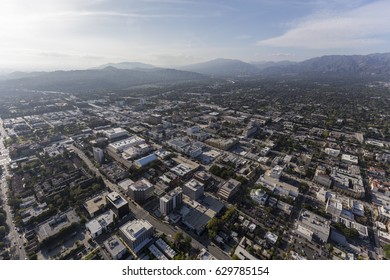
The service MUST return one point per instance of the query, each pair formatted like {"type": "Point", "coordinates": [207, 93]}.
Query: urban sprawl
{"type": "Point", "coordinates": [222, 171]}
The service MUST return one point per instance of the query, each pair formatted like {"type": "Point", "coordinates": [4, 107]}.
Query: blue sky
{"type": "Point", "coordinates": [75, 34]}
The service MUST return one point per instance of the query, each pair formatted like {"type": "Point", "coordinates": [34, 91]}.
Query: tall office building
{"type": "Point", "coordinates": [98, 154]}
{"type": "Point", "coordinates": [136, 234]}
{"type": "Point", "coordinates": [171, 201]}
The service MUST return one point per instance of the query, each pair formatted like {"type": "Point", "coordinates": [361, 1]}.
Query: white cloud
{"type": "Point", "coordinates": [357, 29]}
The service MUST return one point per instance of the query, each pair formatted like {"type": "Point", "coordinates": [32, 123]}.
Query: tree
{"type": "Point", "coordinates": [386, 248]}
{"type": "Point", "coordinates": [2, 232]}
{"type": "Point", "coordinates": [2, 218]}
{"type": "Point", "coordinates": [178, 237]}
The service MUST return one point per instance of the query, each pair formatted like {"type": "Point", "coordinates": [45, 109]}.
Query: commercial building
{"type": "Point", "coordinates": [220, 143]}
{"type": "Point", "coordinates": [315, 225]}
{"type": "Point", "coordinates": [124, 185]}
{"type": "Point", "coordinates": [100, 224]}
{"type": "Point", "coordinates": [182, 170]}
{"type": "Point", "coordinates": [164, 247]}
{"type": "Point", "coordinates": [56, 224]}
{"type": "Point", "coordinates": [120, 146]}
{"type": "Point", "coordinates": [334, 207]}
{"type": "Point", "coordinates": [137, 234]}
{"type": "Point", "coordinates": [154, 119]}
{"type": "Point", "coordinates": [384, 214]}
{"type": "Point", "coordinates": [171, 201]}
{"type": "Point", "coordinates": [271, 237]}
{"type": "Point", "coordinates": [193, 189]}
{"type": "Point", "coordinates": [196, 214]}
{"type": "Point", "coordinates": [203, 177]}
{"type": "Point", "coordinates": [141, 190]}
{"type": "Point", "coordinates": [229, 189]}
{"type": "Point", "coordinates": [115, 248]}
{"type": "Point", "coordinates": [276, 172]}
{"type": "Point", "coordinates": [98, 154]}
{"type": "Point", "coordinates": [118, 204]}
{"type": "Point", "coordinates": [144, 161]}
{"type": "Point", "coordinates": [96, 205]}
{"type": "Point", "coordinates": [350, 159]}
{"type": "Point", "coordinates": [157, 253]}
{"type": "Point", "coordinates": [115, 133]}
{"type": "Point", "coordinates": [346, 182]}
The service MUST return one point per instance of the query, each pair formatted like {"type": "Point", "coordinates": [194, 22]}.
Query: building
{"type": "Point", "coordinates": [124, 186]}
{"type": "Point", "coordinates": [100, 224]}
{"type": "Point", "coordinates": [141, 190]}
{"type": "Point", "coordinates": [196, 214]}
{"type": "Point", "coordinates": [193, 189]}
{"type": "Point", "coordinates": [334, 207]}
{"type": "Point", "coordinates": [332, 152]}
{"type": "Point", "coordinates": [349, 159]}
{"type": "Point", "coordinates": [117, 204]}
{"type": "Point", "coordinates": [137, 234]}
{"type": "Point", "coordinates": [171, 201]}
{"type": "Point", "coordinates": [357, 207]}
{"type": "Point", "coordinates": [120, 146]}
{"type": "Point", "coordinates": [98, 154]}
{"type": "Point", "coordinates": [383, 237]}
{"type": "Point", "coordinates": [157, 253]}
{"type": "Point", "coordinates": [57, 223]}
{"type": "Point", "coordinates": [203, 177]}
{"type": "Point", "coordinates": [229, 189]}
{"type": "Point", "coordinates": [154, 119]}
{"type": "Point", "coordinates": [384, 214]}
{"type": "Point", "coordinates": [182, 170]}
{"type": "Point", "coordinates": [313, 225]}
{"type": "Point", "coordinates": [115, 133]}
{"type": "Point", "coordinates": [220, 143]}
{"type": "Point", "coordinates": [164, 247]}
{"type": "Point", "coordinates": [348, 183]}
{"type": "Point", "coordinates": [271, 237]}
{"type": "Point", "coordinates": [96, 205]}
{"type": "Point", "coordinates": [241, 252]}
{"type": "Point", "coordinates": [144, 161]}
{"type": "Point", "coordinates": [259, 196]}
{"type": "Point", "coordinates": [276, 172]}
{"type": "Point", "coordinates": [115, 248]}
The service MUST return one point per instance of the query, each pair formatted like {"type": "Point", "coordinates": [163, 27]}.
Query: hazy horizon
{"type": "Point", "coordinates": [45, 35]}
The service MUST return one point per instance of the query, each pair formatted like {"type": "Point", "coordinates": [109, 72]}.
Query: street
{"type": "Point", "coordinates": [14, 237]}
{"type": "Point", "coordinates": [140, 213]}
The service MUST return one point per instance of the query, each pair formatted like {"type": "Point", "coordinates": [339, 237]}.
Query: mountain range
{"type": "Point", "coordinates": [127, 74]}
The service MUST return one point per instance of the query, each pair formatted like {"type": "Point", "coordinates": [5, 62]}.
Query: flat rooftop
{"type": "Point", "coordinates": [134, 229]}
{"type": "Point", "coordinates": [116, 199]}
{"type": "Point", "coordinates": [95, 204]}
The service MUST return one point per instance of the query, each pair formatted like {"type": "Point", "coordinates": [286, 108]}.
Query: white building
{"type": "Point", "coordinates": [137, 234]}
{"type": "Point", "coordinates": [141, 190]}
{"type": "Point", "coordinates": [171, 201]}
{"type": "Point", "coordinates": [276, 172]}
{"type": "Point", "coordinates": [350, 159]}
{"type": "Point", "coordinates": [100, 224]}
{"type": "Point", "coordinates": [115, 248]}
{"type": "Point", "coordinates": [115, 133]}
{"type": "Point", "coordinates": [120, 146]}
{"type": "Point", "coordinates": [193, 189]}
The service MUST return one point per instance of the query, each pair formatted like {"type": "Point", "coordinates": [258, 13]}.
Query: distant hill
{"type": "Point", "coordinates": [109, 78]}
{"type": "Point", "coordinates": [337, 65]}
{"type": "Point", "coordinates": [267, 64]}
{"type": "Point", "coordinates": [126, 65]}
{"type": "Point", "coordinates": [223, 68]}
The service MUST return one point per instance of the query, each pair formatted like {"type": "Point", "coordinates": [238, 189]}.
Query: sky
{"type": "Point", "coordinates": [79, 34]}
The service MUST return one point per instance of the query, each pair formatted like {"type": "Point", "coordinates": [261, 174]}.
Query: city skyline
{"type": "Point", "coordinates": [72, 35]}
